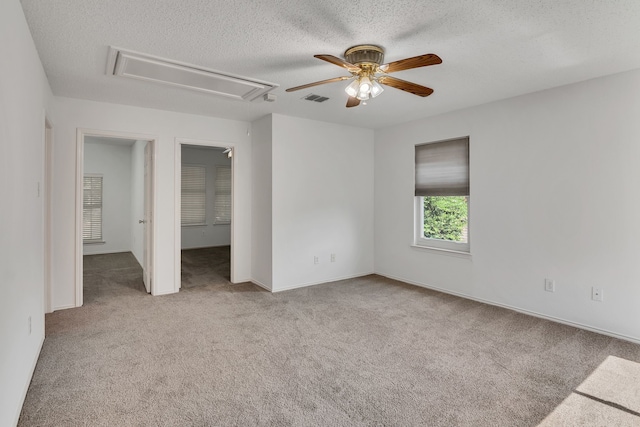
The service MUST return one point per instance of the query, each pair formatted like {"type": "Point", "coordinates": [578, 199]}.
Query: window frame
{"type": "Point", "coordinates": [439, 244]}
{"type": "Point", "coordinates": [420, 240]}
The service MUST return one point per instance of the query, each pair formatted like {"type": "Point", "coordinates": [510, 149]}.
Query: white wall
{"type": "Point", "coordinates": [25, 96]}
{"type": "Point", "coordinates": [261, 202]}
{"type": "Point", "coordinates": [137, 200]}
{"type": "Point", "coordinates": [113, 162]}
{"type": "Point", "coordinates": [554, 177]}
{"type": "Point", "coordinates": [166, 126]}
{"type": "Point", "coordinates": [322, 178]}
{"type": "Point", "coordinates": [203, 236]}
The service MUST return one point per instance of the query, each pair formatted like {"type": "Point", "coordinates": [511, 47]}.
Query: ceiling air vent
{"type": "Point", "coordinates": [315, 98]}
{"type": "Point", "coordinates": [140, 66]}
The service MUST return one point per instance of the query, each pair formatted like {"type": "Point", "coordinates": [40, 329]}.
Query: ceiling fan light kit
{"type": "Point", "coordinates": [364, 64]}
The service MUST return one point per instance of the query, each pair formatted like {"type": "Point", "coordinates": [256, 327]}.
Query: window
{"type": "Point", "coordinates": [442, 194]}
{"type": "Point", "coordinates": [92, 208]}
{"type": "Point", "coordinates": [193, 196]}
{"type": "Point", "coordinates": [222, 201]}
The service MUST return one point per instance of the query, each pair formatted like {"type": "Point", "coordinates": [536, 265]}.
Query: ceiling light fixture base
{"type": "Point", "coordinates": [364, 54]}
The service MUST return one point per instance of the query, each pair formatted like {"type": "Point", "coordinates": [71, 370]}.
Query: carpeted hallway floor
{"type": "Point", "coordinates": [360, 352]}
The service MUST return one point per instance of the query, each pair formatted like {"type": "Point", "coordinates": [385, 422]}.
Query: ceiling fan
{"type": "Point", "coordinates": [363, 62]}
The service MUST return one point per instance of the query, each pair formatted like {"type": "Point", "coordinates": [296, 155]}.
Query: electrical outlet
{"type": "Point", "coordinates": [316, 260]}
{"type": "Point", "coordinates": [333, 257]}
{"type": "Point", "coordinates": [597, 294]}
{"type": "Point", "coordinates": [549, 285]}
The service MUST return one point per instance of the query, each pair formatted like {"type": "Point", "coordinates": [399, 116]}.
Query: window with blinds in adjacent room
{"type": "Point", "coordinates": [222, 200]}
{"type": "Point", "coordinates": [92, 208]}
{"type": "Point", "coordinates": [193, 197]}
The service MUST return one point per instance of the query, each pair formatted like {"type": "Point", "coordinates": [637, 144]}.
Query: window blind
{"type": "Point", "coordinates": [92, 208]}
{"type": "Point", "coordinates": [193, 196]}
{"type": "Point", "coordinates": [222, 201]}
{"type": "Point", "coordinates": [442, 168]}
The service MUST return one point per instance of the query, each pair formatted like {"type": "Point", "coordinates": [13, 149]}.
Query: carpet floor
{"type": "Point", "coordinates": [368, 351]}
{"type": "Point", "coordinates": [206, 266]}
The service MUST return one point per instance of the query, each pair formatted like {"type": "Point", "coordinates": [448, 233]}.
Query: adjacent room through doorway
{"type": "Point", "coordinates": [116, 217]}
{"type": "Point", "coordinates": [205, 215]}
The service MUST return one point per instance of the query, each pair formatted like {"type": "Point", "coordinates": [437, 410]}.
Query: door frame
{"type": "Point", "coordinates": [81, 133]}
{"type": "Point", "coordinates": [148, 218]}
{"type": "Point", "coordinates": [179, 142]}
{"type": "Point", "coordinates": [47, 191]}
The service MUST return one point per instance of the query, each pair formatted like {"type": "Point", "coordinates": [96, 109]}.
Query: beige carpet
{"type": "Point", "coordinates": [362, 352]}
{"type": "Point", "coordinates": [206, 266]}
{"type": "Point", "coordinates": [610, 397]}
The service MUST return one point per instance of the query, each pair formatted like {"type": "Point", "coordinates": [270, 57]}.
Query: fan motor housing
{"type": "Point", "coordinates": [364, 54]}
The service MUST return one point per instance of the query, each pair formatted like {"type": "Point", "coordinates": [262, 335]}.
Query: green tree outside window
{"type": "Point", "coordinates": [445, 218]}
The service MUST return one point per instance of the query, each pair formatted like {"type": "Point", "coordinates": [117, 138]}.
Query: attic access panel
{"type": "Point", "coordinates": [140, 66]}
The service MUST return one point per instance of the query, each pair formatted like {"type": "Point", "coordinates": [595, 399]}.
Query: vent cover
{"type": "Point", "coordinates": [315, 98]}
{"type": "Point", "coordinates": [140, 66]}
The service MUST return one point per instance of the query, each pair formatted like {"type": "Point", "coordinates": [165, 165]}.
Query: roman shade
{"type": "Point", "coordinates": [442, 168]}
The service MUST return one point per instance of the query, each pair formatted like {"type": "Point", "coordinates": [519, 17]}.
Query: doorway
{"type": "Point", "coordinates": [115, 199]}
{"type": "Point", "coordinates": [204, 206]}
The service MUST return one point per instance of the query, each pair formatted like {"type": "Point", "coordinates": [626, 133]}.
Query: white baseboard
{"type": "Point", "coordinates": [262, 285]}
{"type": "Point", "coordinates": [64, 307]}
{"type": "Point", "coordinates": [335, 279]}
{"type": "Point", "coordinates": [164, 293]}
{"type": "Point", "coordinates": [25, 389]}
{"type": "Point", "coordinates": [519, 310]}
{"type": "Point", "coordinates": [109, 251]}
{"type": "Point", "coordinates": [204, 247]}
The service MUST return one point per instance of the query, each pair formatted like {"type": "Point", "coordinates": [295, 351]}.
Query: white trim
{"type": "Point", "coordinates": [177, 236]}
{"type": "Point", "coordinates": [336, 279]}
{"type": "Point", "coordinates": [519, 310]}
{"type": "Point", "coordinates": [154, 213]}
{"type": "Point", "coordinates": [115, 251]}
{"type": "Point", "coordinates": [419, 241]}
{"type": "Point", "coordinates": [440, 251]}
{"type": "Point", "coordinates": [81, 133]}
{"type": "Point", "coordinates": [79, 189]}
{"type": "Point", "coordinates": [158, 294]}
{"type": "Point", "coordinates": [47, 216]}
{"type": "Point", "coordinates": [25, 389]}
{"type": "Point", "coordinates": [64, 307]}
{"type": "Point", "coordinates": [260, 285]}
{"type": "Point", "coordinates": [204, 247]}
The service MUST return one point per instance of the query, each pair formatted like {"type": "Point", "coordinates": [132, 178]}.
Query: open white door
{"type": "Point", "coordinates": [147, 267]}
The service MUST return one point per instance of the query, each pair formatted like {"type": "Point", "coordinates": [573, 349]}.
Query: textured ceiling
{"type": "Point", "coordinates": [491, 49]}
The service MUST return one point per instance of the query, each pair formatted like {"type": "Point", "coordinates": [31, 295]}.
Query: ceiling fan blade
{"type": "Point", "coordinates": [352, 102]}
{"type": "Point", "coordinates": [335, 79]}
{"type": "Point", "coordinates": [409, 63]}
{"type": "Point", "coordinates": [340, 62]}
{"type": "Point", "coordinates": [405, 86]}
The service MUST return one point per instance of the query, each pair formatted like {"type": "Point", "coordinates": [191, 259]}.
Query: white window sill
{"type": "Point", "coordinates": [93, 242]}
{"type": "Point", "coordinates": [194, 225]}
{"type": "Point", "coordinates": [440, 251]}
